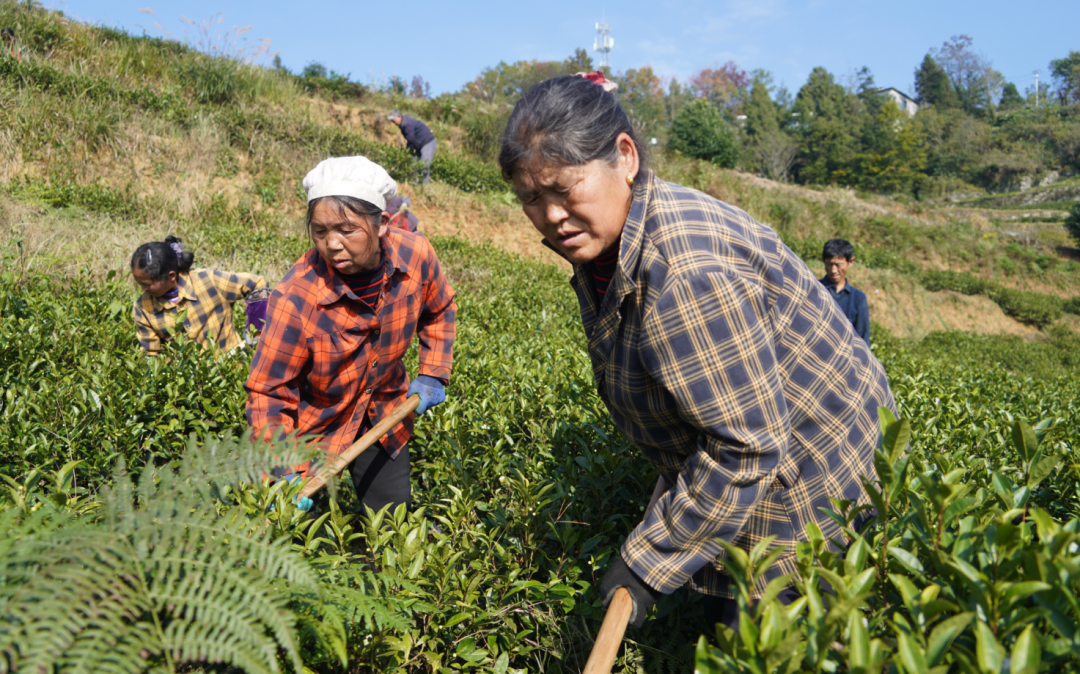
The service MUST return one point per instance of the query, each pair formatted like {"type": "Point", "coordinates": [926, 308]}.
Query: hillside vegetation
{"type": "Point", "coordinates": [112, 463]}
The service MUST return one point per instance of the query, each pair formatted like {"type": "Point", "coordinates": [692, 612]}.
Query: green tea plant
{"type": "Point", "coordinates": [958, 573]}
{"type": "Point", "coordinates": [529, 483]}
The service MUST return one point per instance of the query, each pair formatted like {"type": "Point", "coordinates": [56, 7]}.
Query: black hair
{"type": "Point", "coordinates": [157, 258]}
{"type": "Point", "coordinates": [358, 207]}
{"type": "Point", "coordinates": [7, 32]}
{"type": "Point", "coordinates": [566, 121]}
{"type": "Point", "coordinates": [838, 247]}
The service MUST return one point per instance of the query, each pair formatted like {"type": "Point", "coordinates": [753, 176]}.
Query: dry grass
{"type": "Point", "coordinates": [908, 310]}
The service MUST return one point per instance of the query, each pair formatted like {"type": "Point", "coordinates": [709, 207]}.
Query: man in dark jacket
{"type": "Point", "coordinates": [418, 139]}
{"type": "Point", "coordinates": [838, 255]}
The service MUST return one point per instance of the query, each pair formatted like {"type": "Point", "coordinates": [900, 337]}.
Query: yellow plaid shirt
{"type": "Point", "coordinates": [721, 357]}
{"type": "Point", "coordinates": [206, 298]}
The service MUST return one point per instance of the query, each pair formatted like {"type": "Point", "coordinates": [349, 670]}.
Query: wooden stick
{"type": "Point", "coordinates": [338, 463]}
{"type": "Point", "coordinates": [610, 636]}
{"type": "Point", "coordinates": [608, 640]}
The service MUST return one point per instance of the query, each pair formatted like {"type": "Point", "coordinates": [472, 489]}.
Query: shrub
{"type": "Point", "coordinates": [468, 175]}
{"type": "Point", "coordinates": [700, 131]}
{"type": "Point", "coordinates": [1072, 222]}
{"type": "Point", "coordinates": [1027, 307]}
{"type": "Point", "coordinates": [211, 80]}
{"type": "Point", "coordinates": [483, 131]}
{"type": "Point", "coordinates": [317, 80]}
{"type": "Point", "coordinates": [1072, 306]}
{"type": "Point", "coordinates": [961, 282]}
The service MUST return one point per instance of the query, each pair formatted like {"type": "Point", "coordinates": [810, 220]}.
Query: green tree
{"type": "Point", "coordinates": [643, 100]}
{"type": "Point", "coordinates": [891, 158]}
{"type": "Point", "coordinates": [761, 114]}
{"type": "Point", "coordinates": [678, 95]}
{"type": "Point", "coordinates": [1066, 74]}
{"type": "Point", "coordinates": [1010, 97]}
{"type": "Point", "coordinates": [828, 123]}
{"type": "Point", "coordinates": [932, 85]}
{"type": "Point", "coordinates": [699, 131]}
{"type": "Point", "coordinates": [507, 82]}
{"type": "Point", "coordinates": [769, 148]}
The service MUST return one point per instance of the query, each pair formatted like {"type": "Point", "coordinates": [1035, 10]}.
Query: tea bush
{"type": "Point", "coordinates": [533, 489]}
{"type": "Point", "coordinates": [1027, 307]}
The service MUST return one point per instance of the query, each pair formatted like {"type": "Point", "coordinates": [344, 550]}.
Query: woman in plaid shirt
{"type": "Point", "coordinates": [329, 364]}
{"type": "Point", "coordinates": [713, 346]}
{"type": "Point", "coordinates": [205, 298]}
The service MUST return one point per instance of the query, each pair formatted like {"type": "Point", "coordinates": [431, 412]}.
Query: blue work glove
{"type": "Point", "coordinates": [431, 392]}
{"type": "Point", "coordinates": [302, 502]}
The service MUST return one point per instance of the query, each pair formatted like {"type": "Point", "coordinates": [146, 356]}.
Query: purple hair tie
{"type": "Point", "coordinates": [177, 248]}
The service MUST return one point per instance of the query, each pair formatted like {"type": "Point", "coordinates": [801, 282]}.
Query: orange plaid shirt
{"type": "Point", "coordinates": [326, 360]}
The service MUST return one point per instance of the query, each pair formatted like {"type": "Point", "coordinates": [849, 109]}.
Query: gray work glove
{"type": "Point", "coordinates": [621, 575]}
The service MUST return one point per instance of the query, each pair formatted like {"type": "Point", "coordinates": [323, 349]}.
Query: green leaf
{"type": "Point", "coordinates": [1024, 440]}
{"type": "Point", "coordinates": [460, 617]}
{"type": "Point", "coordinates": [896, 439]}
{"type": "Point", "coordinates": [886, 418]}
{"type": "Point", "coordinates": [911, 654]}
{"type": "Point", "coordinates": [990, 654]}
{"type": "Point", "coordinates": [858, 641]}
{"type": "Point", "coordinates": [1025, 589]}
{"type": "Point", "coordinates": [943, 634]}
{"type": "Point", "coordinates": [907, 560]}
{"type": "Point", "coordinates": [1042, 468]}
{"type": "Point", "coordinates": [1026, 652]}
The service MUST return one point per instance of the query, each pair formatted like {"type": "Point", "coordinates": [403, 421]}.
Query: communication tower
{"type": "Point", "coordinates": [603, 42]}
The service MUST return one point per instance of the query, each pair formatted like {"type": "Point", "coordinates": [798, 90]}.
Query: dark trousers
{"type": "Point", "coordinates": [380, 480]}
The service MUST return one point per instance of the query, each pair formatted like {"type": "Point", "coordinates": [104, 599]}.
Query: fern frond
{"type": "Point", "coordinates": [160, 579]}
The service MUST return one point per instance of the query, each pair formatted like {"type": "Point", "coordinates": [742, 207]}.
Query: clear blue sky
{"type": "Point", "coordinates": [449, 43]}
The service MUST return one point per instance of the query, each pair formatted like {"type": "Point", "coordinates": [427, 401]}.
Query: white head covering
{"type": "Point", "coordinates": [350, 177]}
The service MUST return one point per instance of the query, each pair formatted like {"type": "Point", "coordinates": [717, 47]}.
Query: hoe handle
{"type": "Point", "coordinates": [608, 640]}
{"type": "Point", "coordinates": [337, 463]}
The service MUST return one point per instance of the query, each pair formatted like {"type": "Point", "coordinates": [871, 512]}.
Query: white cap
{"type": "Point", "coordinates": [350, 177]}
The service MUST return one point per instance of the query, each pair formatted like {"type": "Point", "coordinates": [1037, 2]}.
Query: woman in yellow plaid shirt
{"type": "Point", "coordinates": [204, 296]}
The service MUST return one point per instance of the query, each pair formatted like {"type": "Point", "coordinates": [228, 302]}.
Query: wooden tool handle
{"type": "Point", "coordinates": [608, 640]}
{"type": "Point", "coordinates": [337, 463]}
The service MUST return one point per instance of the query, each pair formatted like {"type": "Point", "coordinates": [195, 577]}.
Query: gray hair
{"type": "Point", "coordinates": [363, 209]}
{"type": "Point", "coordinates": [566, 121]}
{"type": "Point", "coordinates": [394, 114]}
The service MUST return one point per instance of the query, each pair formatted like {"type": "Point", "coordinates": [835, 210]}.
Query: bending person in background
{"type": "Point", "coordinates": [838, 255]}
{"type": "Point", "coordinates": [714, 347]}
{"type": "Point", "coordinates": [329, 364]}
{"type": "Point", "coordinates": [418, 139]}
{"type": "Point", "coordinates": [401, 215]}
{"type": "Point", "coordinates": [206, 297]}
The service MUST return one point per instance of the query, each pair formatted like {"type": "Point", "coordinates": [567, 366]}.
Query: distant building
{"type": "Point", "coordinates": [902, 100]}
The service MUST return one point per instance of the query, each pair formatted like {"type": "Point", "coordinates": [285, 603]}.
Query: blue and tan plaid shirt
{"type": "Point", "coordinates": [721, 356]}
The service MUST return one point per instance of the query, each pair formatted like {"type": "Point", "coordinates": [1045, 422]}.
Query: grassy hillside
{"type": "Point", "coordinates": [144, 137]}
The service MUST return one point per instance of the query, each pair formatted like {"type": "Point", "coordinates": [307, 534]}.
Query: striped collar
{"type": "Point", "coordinates": [183, 284]}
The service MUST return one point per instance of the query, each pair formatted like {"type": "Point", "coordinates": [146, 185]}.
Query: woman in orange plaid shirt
{"type": "Point", "coordinates": [329, 364]}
